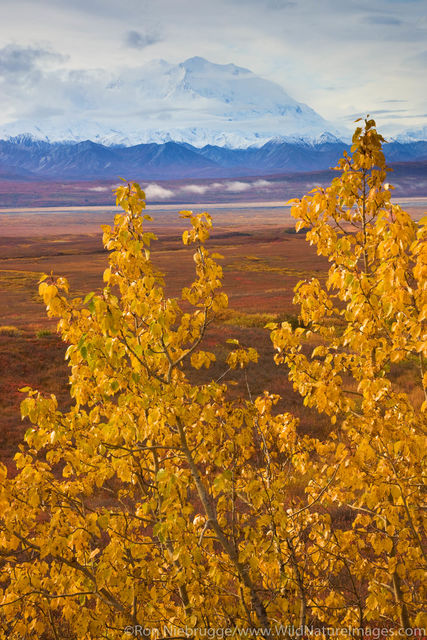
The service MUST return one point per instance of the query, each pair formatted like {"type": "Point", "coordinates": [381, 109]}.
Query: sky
{"type": "Point", "coordinates": [344, 58]}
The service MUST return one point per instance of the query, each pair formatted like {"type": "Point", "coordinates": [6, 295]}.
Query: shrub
{"type": "Point", "coordinates": [11, 331]}
{"type": "Point", "coordinates": [43, 333]}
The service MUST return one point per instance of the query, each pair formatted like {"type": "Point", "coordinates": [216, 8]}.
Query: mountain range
{"type": "Point", "coordinates": [27, 159]}
{"type": "Point", "coordinates": [195, 119]}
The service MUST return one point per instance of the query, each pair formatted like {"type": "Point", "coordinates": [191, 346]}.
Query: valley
{"type": "Point", "coordinates": [409, 180]}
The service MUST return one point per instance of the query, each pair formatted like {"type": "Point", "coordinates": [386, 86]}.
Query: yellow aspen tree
{"type": "Point", "coordinates": [153, 502]}
{"type": "Point", "coordinates": [360, 328]}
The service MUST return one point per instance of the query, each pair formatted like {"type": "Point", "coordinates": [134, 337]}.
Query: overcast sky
{"type": "Point", "coordinates": [341, 57]}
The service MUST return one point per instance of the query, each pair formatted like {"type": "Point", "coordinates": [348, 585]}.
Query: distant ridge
{"type": "Point", "coordinates": [28, 159]}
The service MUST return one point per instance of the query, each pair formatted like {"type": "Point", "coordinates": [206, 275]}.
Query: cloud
{"type": "Point", "coordinates": [139, 40]}
{"type": "Point", "coordinates": [377, 112]}
{"type": "Point", "coordinates": [15, 59]}
{"type": "Point", "coordinates": [234, 186]}
{"type": "Point", "coordinates": [270, 4]}
{"type": "Point", "coordinates": [382, 20]}
{"type": "Point", "coordinates": [196, 188]}
{"type": "Point", "coordinates": [419, 59]}
{"type": "Point", "coordinates": [156, 192]}
{"type": "Point", "coordinates": [237, 187]}
{"type": "Point", "coordinates": [414, 115]}
{"type": "Point", "coordinates": [391, 115]}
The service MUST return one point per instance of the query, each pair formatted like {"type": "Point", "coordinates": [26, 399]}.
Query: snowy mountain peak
{"type": "Point", "coordinates": [201, 65]}
{"type": "Point", "coordinates": [245, 92]}
{"type": "Point", "coordinates": [412, 135]}
{"type": "Point", "coordinates": [195, 101]}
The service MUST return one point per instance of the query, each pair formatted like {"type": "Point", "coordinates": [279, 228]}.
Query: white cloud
{"type": "Point", "coordinates": [196, 188]}
{"type": "Point", "coordinates": [156, 192]}
{"type": "Point", "coordinates": [237, 187]}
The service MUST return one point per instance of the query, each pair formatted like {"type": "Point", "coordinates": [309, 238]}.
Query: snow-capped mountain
{"type": "Point", "coordinates": [196, 102]}
{"type": "Point", "coordinates": [412, 135]}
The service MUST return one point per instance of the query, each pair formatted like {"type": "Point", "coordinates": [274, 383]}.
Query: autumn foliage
{"type": "Point", "coordinates": [159, 502]}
